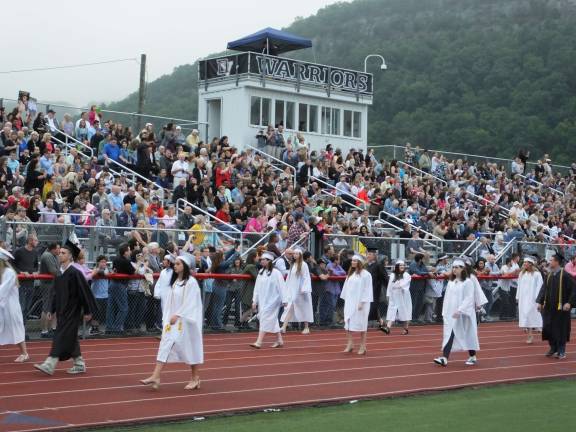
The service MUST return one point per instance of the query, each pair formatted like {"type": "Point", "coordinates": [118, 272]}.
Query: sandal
{"type": "Point", "coordinates": [255, 345]}
{"type": "Point", "coordinates": [22, 358]}
{"type": "Point", "coordinates": [155, 384]}
{"type": "Point", "coordinates": [277, 345]}
{"type": "Point", "coordinates": [193, 385]}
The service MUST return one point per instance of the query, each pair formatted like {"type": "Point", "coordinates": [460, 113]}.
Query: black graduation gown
{"type": "Point", "coordinates": [556, 323]}
{"type": "Point", "coordinates": [379, 282]}
{"type": "Point", "coordinates": [72, 299]}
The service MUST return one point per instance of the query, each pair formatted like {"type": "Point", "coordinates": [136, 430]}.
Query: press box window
{"type": "Point", "coordinates": [260, 111]}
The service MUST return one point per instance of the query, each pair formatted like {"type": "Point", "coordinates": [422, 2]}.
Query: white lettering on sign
{"type": "Point", "coordinates": [287, 69]}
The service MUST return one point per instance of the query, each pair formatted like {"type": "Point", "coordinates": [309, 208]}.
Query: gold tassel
{"type": "Point", "coordinates": [560, 290]}
{"type": "Point", "coordinates": [168, 327]}
{"type": "Point", "coordinates": [180, 325]}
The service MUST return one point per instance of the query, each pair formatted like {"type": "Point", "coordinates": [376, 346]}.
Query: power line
{"type": "Point", "coordinates": [69, 66]}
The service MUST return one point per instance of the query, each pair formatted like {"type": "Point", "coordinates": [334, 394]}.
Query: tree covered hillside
{"type": "Point", "coordinates": [482, 76]}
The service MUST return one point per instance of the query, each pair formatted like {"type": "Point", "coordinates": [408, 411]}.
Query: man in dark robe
{"type": "Point", "coordinates": [72, 301]}
{"type": "Point", "coordinates": [379, 282]}
{"type": "Point", "coordinates": [556, 299]}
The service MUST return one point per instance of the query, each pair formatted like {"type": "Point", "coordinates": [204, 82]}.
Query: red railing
{"type": "Point", "coordinates": [225, 276]}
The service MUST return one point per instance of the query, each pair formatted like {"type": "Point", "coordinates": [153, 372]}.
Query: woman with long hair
{"type": "Point", "coordinates": [399, 299]}
{"type": "Point", "coordinates": [529, 283]}
{"type": "Point", "coordinates": [182, 319]}
{"type": "Point", "coordinates": [12, 329]}
{"type": "Point", "coordinates": [459, 315]}
{"type": "Point", "coordinates": [269, 291]}
{"type": "Point", "coordinates": [299, 293]}
{"type": "Point", "coordinates": [357, 295]}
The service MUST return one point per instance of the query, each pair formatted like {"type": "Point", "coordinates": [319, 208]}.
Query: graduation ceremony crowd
{"type": "Point", "coordinates": [303, 274]}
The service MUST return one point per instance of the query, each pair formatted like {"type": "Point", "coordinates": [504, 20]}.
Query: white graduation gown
{"type": "Point", "coordinates": [11, 321]}
{"type": "Point", "coordinates": [269, 292]}
{"type": "Point", "coordinates": [529, 285]}
{"type": "Point", "coordinates": [163, 283]}
{"type": "Point", "coordinates": [399, 300]}
{"type": "Point", "coordinates": [182, 342]}
{"type": "Point", "coordinates": [357, 290]}
{"type": "Point", "coordinates": [460, 297]}
{"type": "Point", "coordinates": [479, 296]}
{"type": "Point", "coordinates": [299, 296]}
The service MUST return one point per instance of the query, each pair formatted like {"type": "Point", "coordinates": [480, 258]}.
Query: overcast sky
{"type": "Point", "coordinates": [170, 32]}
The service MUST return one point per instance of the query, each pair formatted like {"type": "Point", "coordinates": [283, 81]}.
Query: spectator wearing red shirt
{"type": "Point", "coordinates": [223, 174]}
{"type": "Point", "coordinates": [155, 206]}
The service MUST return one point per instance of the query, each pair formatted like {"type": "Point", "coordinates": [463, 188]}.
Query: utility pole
{"type": "Point", "coordinates": [141, 93]}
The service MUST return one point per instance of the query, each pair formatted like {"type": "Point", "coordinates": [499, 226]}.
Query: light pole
{"type": "Point", "coordinates": [383, 66]}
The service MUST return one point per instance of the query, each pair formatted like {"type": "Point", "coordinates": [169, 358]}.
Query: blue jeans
{"type": "Point", "coordinates": [327, 307]}
{"type": "Point", "coordinates": [217, 302]}
{"type": "Point", "coordinates": [136, 308]}
{"type": "Point", "coordinates": [117, 306]}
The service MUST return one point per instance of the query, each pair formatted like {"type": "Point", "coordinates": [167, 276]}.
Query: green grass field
{"type": "Point", "coordinates": [541, 406]}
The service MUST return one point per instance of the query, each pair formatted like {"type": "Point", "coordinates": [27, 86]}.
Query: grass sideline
{"type": "Point", "coordinates": [523, 407]}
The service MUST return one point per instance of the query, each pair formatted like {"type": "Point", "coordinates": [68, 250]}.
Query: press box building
{"type": "Point", "coordinates": [242, 93]}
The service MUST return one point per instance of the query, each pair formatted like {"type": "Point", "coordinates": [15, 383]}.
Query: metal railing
{"type": "Point", "coordinates": [540, 184]}
{"type": "Point", "coordinates": [131, 117]}
{"type": "Point", "coordinates": [424, 173]}
{"type": "Point", "coordinates": [209, 215]}
{"type": "Point", "coordinates": [257, 150]}
{"type": "Point", "coordinates": [401, 149]}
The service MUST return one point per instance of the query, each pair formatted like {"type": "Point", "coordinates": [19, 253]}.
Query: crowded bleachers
{"type": "Point", "coordinates": [161, 191]}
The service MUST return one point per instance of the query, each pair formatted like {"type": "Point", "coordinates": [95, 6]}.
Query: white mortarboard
{"type": "Point", "coordinates": [187, 259]}
{"type": "Point", "coordinates": [359, 257]}
{"type": "Point", "coordinates": [268, 255]}
{"type": "Point", "coordinates": [169, 257]}
{"type": "Point", "coordinates": [298, 250]}
{"type": "Point", "coordinates": [400, 262]}
{"type": "Point", "coordinates": [5, 255]}
{"type": "Point", "coordinates": [458, 263]}
{"type": "Point", "coordinates": [529, 259]}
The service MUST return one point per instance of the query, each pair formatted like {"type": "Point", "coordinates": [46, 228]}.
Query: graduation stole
{"type": "Point", "coordinates": [168, 326]}
{"type": "Point", "coordinates": [559, 291]}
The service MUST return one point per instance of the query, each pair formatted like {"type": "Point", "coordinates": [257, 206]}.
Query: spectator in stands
{"type": "Point", "coordinates": [117, 307]}
{"type": "Point", "coordinates": [418, 285]}
{"type": "Point", "coordinates": [26, 263]}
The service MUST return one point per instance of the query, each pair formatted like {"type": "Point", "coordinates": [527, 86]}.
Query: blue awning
{"type": "Point", "coordinates": [270, 41]}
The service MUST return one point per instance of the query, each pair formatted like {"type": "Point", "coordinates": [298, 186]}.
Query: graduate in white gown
{"type": "Point", "coordinates": [479, 297]}
{"type": "Point", "coordinates": [399, 299]}
{"type": "Point", "coordinates": [11, 321]}
{"type": "Point", "coordinates": [182, 317]}
{"type": "Point", "coordinates": [357, 295]}
{"type": "Point", "coordinates": [298, 293]}
{"type": "Point", "coordinates": [459, 316]}
{"type": "Point", "coordinates": [529, 284]}
{"type": "Point", "coordinates": [268, 298]}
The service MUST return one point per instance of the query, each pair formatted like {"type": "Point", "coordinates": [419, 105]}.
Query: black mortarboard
{"type": "Point", "coordinates": [372, 249]}
{"type": "Point", "coordinates": [558, 256]}
{"type": "Point", "coordinates": [74, 249]}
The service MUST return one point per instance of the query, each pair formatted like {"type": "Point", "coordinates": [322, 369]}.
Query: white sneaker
{"type": "Point", "coordinates": [471, 361]}
{"type": "Point", "coordinates": [442, 361]}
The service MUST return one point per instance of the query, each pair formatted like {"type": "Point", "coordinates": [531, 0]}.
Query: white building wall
{"type": "Point", "coordinates": [235, 114]}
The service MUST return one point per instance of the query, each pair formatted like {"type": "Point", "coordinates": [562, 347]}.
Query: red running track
{"type": "Point", "coordinates": [308, 370]}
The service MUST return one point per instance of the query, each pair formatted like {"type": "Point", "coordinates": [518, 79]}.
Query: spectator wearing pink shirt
{"type": "Point", "coordinates": [571, 266]}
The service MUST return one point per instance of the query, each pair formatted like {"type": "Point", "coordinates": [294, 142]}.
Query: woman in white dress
{"type": "Point", "coordinates": [11, 320]}
{"type": "Point", "coordinates": [268, 297]}
{"type": "Point", "coordinates": [529, 283]}
{"type": "Point", "coordinates": [459, 315]}
{"type": "Point", "coordinates": [298, 294]}
{"type": "Point", "coordinates": [399, 300]}
{"type": "Point", "coordinates": [182, 319]}
{"type": "Point", "coordinates": [357, 295]}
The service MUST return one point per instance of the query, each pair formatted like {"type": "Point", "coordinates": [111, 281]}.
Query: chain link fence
{"type": "Point", "coordinates": [227, 300]}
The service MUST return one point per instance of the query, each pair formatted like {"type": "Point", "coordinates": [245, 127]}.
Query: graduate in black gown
{"type": "Point", "coordinates": [379, 282]}
{"type": "Point", "coordinates": [73, 301]}
{"type": "Point", "coordinates": [556, 299]}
